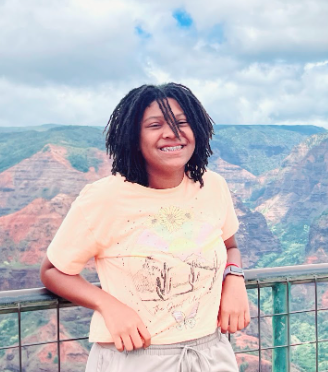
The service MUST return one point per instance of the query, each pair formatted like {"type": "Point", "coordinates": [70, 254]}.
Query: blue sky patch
{"type": "Point", "coordinates": [183, 18]}
{"type": "Point", "coordinates": [142, 33]}
{"type": "Point", "coordinates": [216, 34]}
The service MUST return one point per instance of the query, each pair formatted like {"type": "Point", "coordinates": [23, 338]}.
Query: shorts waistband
{"type": "Point", "coordinates": [169, 349]}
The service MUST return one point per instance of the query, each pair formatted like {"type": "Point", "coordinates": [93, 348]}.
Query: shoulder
{"type": "Point", "coordinates": [213, 179]}
{"type": "Point", "coordinates": [105, 189]}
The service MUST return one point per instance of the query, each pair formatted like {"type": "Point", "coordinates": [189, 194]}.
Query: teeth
{"type": "Point", "coordinates": [172, 148]}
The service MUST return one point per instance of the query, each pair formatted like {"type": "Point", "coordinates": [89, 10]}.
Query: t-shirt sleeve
{"type": "Point", "coordinates": [231, 222]}
{"type": "Point", "coordinates": [74, 243]}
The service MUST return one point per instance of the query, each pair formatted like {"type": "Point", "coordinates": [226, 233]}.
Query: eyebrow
{"type": "Point", "coordinates": [161, 116]}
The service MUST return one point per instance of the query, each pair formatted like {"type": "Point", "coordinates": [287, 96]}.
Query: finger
{"type": "Point", "coordinates": [224, 323]}
{"type": "Point", "coordinates": [144, 333]}
{"type": "Point", "coordinates": [136, 339]}
{"type": "Point", "coordinates": [118, 343]}
{"type": "Point", "coordinates": [233, 323]}
{"type": "Point", "coordinates": [127, 342]}
{"type": "Point", "coordinates": [241, 322]}
{"type": "Point", "coordinates": [247, 318]}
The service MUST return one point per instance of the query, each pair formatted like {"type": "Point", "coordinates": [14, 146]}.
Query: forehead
{"type": "Point", "coordinates": [153, 110]}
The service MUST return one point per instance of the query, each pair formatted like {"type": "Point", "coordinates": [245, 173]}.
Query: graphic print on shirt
{"type": "Point", "coordinates": [186, 321]}
{"type": "Point", "coordinates": [181, 256]}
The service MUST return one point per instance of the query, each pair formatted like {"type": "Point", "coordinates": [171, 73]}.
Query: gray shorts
{"type": "Point", "coordinates": [211, 353]}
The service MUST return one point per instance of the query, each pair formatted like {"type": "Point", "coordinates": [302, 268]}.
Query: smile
{"type": "Point", "coordinates": [174, 148]}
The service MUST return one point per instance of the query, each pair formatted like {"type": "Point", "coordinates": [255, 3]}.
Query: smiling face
{"type": "Point", "coordinates": [165, 154]}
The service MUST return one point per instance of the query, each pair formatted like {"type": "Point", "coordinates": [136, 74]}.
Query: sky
{"type": "Point", "coordinates": [249, 62]}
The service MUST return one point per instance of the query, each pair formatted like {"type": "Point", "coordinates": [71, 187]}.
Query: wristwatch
{"type": "Point", "coordinates": [233, 270]}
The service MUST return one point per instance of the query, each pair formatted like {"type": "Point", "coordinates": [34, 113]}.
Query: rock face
{"type": "Point", "coordinates": [34, 226]}
{"type": "Point", "coordinates": [294, 200]}
{"type": "Point", "coordinates": [24, 238]}
{"type": "Point", "coordinates": [317, 247]}
{"type": "Point", "coordinates": [254, 237]}
{"type": "Point", "coordinates": [73, 355]}
{"type": "Point", "coordinates": [299, 190]}
{"type": "Point", "coordinates": [258, 148]}
{"type": "Point", "coordinates": [36, 194]}
{"type": "Point", "coordinates": [240, 180]}
{"type": "Point", "coordinates": [46, 174]}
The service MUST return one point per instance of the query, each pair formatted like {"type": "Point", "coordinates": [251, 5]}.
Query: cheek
{"type": "Point", "coordinates": [146, 148]}
{"type": "Point", "coordinates": [143, 150]}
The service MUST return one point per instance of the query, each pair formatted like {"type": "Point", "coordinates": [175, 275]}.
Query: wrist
{"type": "Point", "coordinates": [104, 301]}
{"type": "Point", "coordinates": [234, 278]}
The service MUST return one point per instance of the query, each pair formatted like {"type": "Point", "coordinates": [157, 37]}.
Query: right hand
{"type": "Point", "coordinates": [125, 325]}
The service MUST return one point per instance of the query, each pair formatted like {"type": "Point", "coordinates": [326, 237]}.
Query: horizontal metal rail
{"type": "Point", "coordinates": [279, 279]}
{"type": "Point", "coordinates": [41, 298]}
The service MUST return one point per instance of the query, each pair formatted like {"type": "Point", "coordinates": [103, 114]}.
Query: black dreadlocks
{"type": "Point", "coordinates": [123, 130]}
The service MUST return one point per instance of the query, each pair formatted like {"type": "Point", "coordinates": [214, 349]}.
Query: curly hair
{"type": "Point", "coordinates": [123, 130]}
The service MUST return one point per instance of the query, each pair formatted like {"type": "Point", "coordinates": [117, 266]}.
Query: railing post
{"type": "Point", "coordinates": [280, 327]}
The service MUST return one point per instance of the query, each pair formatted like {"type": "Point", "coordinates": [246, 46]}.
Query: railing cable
{"type": "Point", "coordinates": [19, 337]}
{"type": "Point", "coordinates": [316, 323]}
{"type": "Point", "coordinates": [259, 323]}
{"type": "Point", "coordinates": [58, 335]}
{"type": "Point", "coordinates": [288, 324]}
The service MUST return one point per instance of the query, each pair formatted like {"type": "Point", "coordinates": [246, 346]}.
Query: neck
{"type": "Point", "coordinates": [168, 181]}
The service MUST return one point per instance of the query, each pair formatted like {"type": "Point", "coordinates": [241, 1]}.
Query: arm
{"type": "Point", "coordinates": [234, 309]}
{"type": "Point", "coordinates": [123, 323]}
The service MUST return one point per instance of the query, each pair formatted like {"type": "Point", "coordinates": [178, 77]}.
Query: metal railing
{"type": "Point", "coordinates": [282, 281]}
{"type": "Point", "coordinates": [274, 302]}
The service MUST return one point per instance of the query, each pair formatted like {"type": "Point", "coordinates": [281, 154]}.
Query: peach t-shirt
{"type": "Point", "coordinates": [159, 251]}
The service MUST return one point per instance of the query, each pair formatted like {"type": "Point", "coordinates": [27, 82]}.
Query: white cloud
{"type": "Point", "coordinates": [70, 61]}
{"type": "Point", "coordinates": [60, 104]}
{"type": "Point", "coordinates": [310, 66]}
{"type": "Point", "coordinates": [276, 29]}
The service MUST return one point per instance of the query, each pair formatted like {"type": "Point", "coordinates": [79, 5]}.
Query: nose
{"type": "Point", "coordinates": [168, 132]}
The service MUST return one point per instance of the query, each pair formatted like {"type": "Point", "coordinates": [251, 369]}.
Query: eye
{"type": "Point", "coordinates": [154, 125]}
{"type": "Point", "coordinates": [182, 123]}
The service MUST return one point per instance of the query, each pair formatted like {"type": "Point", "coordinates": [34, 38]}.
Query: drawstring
{"type": "Point", "coordinates": [201, 358]}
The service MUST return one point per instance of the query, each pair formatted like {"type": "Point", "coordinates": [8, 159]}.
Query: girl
{"type": "Point", "coordinates": [161, 229]}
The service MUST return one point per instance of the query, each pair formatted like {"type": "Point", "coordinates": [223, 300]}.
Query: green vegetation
{"type": "Point", "coordinates": [293, 238]}
{"type": "Point", "coordinates": [15, 147]}
{"type": "Point", "coordinates": [38, 128]}
{"type": "Point", "coordinates": [292, 254]}
{"type": "Point", "coordinates": [8, 330]}
{"type": "Point", "coordinates": [74, 320]}
{"type": "Point", "coordinates": [302, 325]}
{"type": "Point", "coordinates": [243, 367]}
{"type": "Point", "coordinates": [258, 148]}
{"type": "Point", "coordinates": [82, 159]}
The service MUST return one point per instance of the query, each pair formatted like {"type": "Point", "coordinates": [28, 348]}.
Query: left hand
{"type": "Point", "coordinates": [234, 308]}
